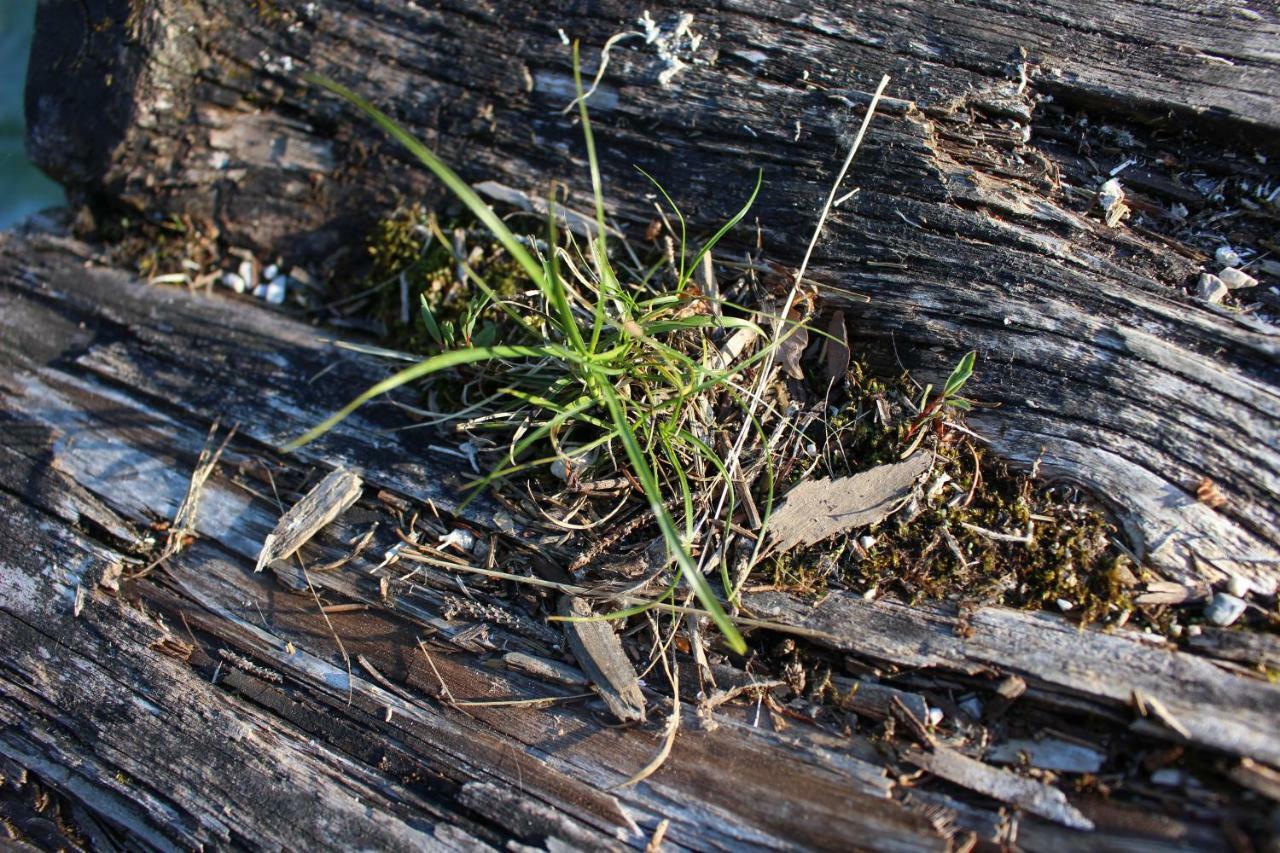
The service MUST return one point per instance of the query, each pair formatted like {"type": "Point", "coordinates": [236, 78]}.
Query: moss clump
{"type": "Point", "coordinates": [952, 539]}
{"type": "Point", "coordinates": [406, 259]}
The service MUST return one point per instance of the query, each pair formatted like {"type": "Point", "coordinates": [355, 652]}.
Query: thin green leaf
{"type": "Point", "coordinates": [960, 375]}
{"type": "Point", "coordinates": [429, 320]}
{"type": "Point", "coordinates": [426, 367]}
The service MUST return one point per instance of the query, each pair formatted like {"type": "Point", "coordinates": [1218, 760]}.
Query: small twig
{"type": "Point", "coordinates": [733, 463]}
{"type": "Point", "coordinates": [444, 688]}
{"type": "Point", "coordinates": [382, 679]}
{"type": "Point", "coordinates": [1025, 539]}
{"type": "Point", "coordinates": [673, 724]}
{"type": "Point", "coordinates": [655, 843]}
{"type": "Point", "coordinates": [341, 648]}
{"type": "Point", "coordinates": [184, 520]}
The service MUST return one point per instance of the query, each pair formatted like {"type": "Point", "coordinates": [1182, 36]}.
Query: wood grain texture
{"type": "Point", "coordinates": [206, 704]}
{"type": "Point", "coordinates": [1103, 370]}
{"type": "Point", "coordinates": [86, 450]}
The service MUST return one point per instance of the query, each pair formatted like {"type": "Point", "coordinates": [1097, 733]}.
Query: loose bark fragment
{"type": "Point", "coordinates": [875, 701]}
{"type": "Point", "coordinates": [599, 652]}
{"type": "Point", "coordinates": [1241, 646]}
{"type": "Point", "coordinates": [547, 670]}
{"type": "Point", "coordinates": [1028, 794]}
{"type": "Point", "coordinates": [1065, 665]}
{"type": "Point", "coordinates": [325, 502]}
{"type": "Point", "coordinates": [818, 509]}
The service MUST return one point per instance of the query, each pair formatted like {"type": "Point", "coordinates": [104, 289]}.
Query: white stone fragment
{"type": "Point", "coordinates": [1226, 257]}
{"type": "Point", "coordinates": [1210, 288]}
{"type": "Point", "coordinates": [1237, 279]}
{"type": "Point", "coordinates": [260, 291]}
{"type": "Point", "coordinates": [233, 281]}
{"type": "Point", "coordinates": [1224, 609]}
{"type": "Point", "coordinates": [1111, 197]}
{"type": "Point", "coordinates": [463, 539]}
{"type": "Point", "coordinates": [276, 290]}
{"type": "Point", "coordinates": [935, 716]}
{"type": "Point", "coordinates": [867, 541]}
{"type": "Point", "coordinates": [270, 272]}
{"type": "Point", "coordinates": [1064, 605]}
{"type": "Point", "coordinates": [249, 272]}
{"type": "Point", "coordinates": [1239, 586]}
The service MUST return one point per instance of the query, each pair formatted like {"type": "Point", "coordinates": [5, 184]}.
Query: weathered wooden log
{"type": "Point", "coordinates": [972, 226]}
{"type": "Point", "coordinates": [198, 702]}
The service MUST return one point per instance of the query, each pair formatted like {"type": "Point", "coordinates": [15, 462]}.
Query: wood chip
{"type": "Point", "coordinates": [1168, 592]}
{"type": "Point", "coordinates": [599, 652]}
{"type": "Point", "coordinates": [1028, 794]}
{"type": "Point", "coordinates": [1150, 706]}
{"type": "Point", "coordinates": [325, 502]}
{"type": "Point", "coordinates": [542, 668]}
{"type": "Point", "coordinates": [1257, 777]}
{"type": "Point", "coordinates": [900, 712]}
{"type": "Point", "coordinates": [817, 509]}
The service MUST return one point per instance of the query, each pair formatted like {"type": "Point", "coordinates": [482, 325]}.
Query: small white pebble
{"type": "Point", "coordinates": [1194, 630]}
{"type": "Point", "coordinates": [1239, 586]}
{"type": "Point", "coordinates": [935, 716]}
{"type": "Point", "coordinates": [260, 291]}
{"type": "Point", "coordinates": [1175, 630]}
{"type": "Point", "coordinates": [1064, 605]}
{"type": "Point", "coordinates": [1226, 257]}
{"type": "Point", "coordinates": [867, 542]}
{"type": "Point", "coordinates": [463, 539]}
{"type": "Point", "coordinates": [1224, 609]}
{"type": "Point", "coordinates": [276, 290]}
{"type": "Point", "coordinates": [870, 594]}
{"type": "Point", "coordinates": [271, 272]}
{"type": "Point", "coordinates": [233, 281]}
{"type": "Point", "coordinates": [1237, 279]}
{"type": "Point", "coordinates": [1210, 288]}
{"type": "Point", "coordinates": [249, 273]}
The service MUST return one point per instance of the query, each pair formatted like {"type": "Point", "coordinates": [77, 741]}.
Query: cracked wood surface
{"type": "Point", "coordinates": [1104, 371]}
{"type": "Point", "coordinates": [207, 704]}
{"type": "Point", "coordinates": [92, 460]}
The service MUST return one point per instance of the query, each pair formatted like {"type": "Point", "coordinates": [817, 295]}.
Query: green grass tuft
{"type": "Point", "coordinates": [598, 362]}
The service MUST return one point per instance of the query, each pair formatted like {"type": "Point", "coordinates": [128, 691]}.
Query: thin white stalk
{"type": "Point", "coordinates": [766, 367]}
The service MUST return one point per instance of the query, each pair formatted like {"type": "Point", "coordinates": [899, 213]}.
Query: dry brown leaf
{"type": "Point", "coordinates": [790, 350]}
{"type": "Point", "coordinates": [817, 509]}
{"type": "Point", "coordinates": [837, 347]}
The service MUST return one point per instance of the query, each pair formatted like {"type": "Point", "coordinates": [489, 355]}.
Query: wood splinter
{"type": "Point", "coordinates": [326, 501]}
